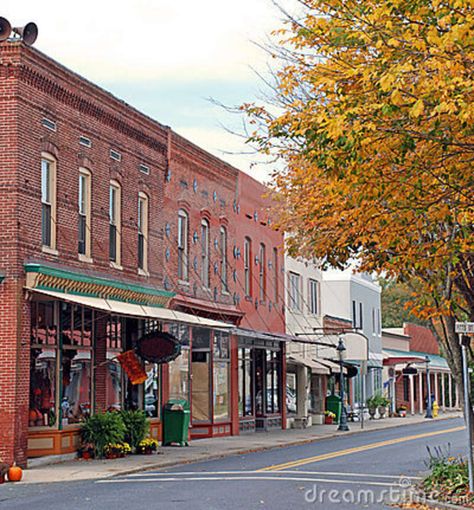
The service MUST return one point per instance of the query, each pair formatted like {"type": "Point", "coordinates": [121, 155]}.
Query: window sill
{"type": "Point", "coordinates": [249, 299]}
{"type": "Point", "coordinates": [85, 258]}
{"type": "Point", "coordinates": [142, 272]}
{"type": "Point", "coordinates": [116, 266]}
{"type": "Point", "coordinates": [50, 251]}
{"type": "Point", "coordinates": [183, 282]}
{"type": "Point", "coordinates": [225, 292]}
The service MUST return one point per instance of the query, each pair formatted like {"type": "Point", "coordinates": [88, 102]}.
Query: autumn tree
{"type": "Point", "coordinates": [373, 115]}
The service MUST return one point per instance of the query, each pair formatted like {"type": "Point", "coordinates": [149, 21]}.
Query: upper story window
{"type": "Point", "coordinates": [247, 266]}
{"type": "Point", "coordinates": [84, 210]}
{"type": "Point", "coordinates": [313, 296]}
{"type": "Point", "coordinates": [262, 259]}
{"type": "Point", "coordinates": [275, 273]}
{"type": "Point", "coordinates": [223, 243]}
{"type": "Point", "coordinates": [183, 228]}
{"type": "Point", "coordinates": [114, 222]}
{"type": "Point", "coordinates": [205, 253]}
{"type": "Point", "coordinates": [294, 291]}
{"type": "Point", "coordinates": [48, 201]}
{"type": "Point", "coordinates": [142, 232]}
{"type": "Point", "coordinates": [361, 316]}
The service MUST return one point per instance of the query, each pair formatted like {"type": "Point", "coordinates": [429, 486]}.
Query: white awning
{"type": "Point", "coordinates": [315, 366]}
{"type": "Point", "coordinates": [144, 312]}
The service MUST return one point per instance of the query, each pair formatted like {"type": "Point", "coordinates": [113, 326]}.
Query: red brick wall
{"type": "Point", "coordinates": [422, 339]}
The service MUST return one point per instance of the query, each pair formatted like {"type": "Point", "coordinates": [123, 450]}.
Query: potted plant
{"type": "Point", "coordinates": [136, 427]}
{"type": "Point", "coordinates": [372, 406]}
{"type": "Point", "coordinates": [383, 403]}
{"type": "Point", "coordinates": [116, 450]}
{"type": "Point", "coordinates": [329, 417]}
{"type": "Point", "coordinates": [147, 446]}
{"type": "Point", "coordinates": [86, 451]}
{"type": "Point", "coordinates": [102, 429]}
{"type": "Point", "coordinates": [402, 411]}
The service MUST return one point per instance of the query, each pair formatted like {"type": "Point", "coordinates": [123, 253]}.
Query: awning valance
{"type": "Point", "coordinates": [132, 310]}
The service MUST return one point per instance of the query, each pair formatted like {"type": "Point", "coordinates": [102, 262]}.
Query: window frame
{"type": "Point", "coordinates": [205, 259]}
{"type": "Point", "coordinates": [313, 295]}
{"type": "Point", "coordinates": [183, 245]}
{"type": "Point", "coordinates": [294, 285]}
{"type": "Point", "coordinates": [115, 220]}
{"type": "Point", "coordinates": [223, 246]}
{"type": "Point", "coordinates": [262, 272]}
{"type": "Point", "coordinates": [248, 266]}
{"type": "Point", "coordinates": [85, 176]}
{"type": "Point", "coordinates": [142, 232]}
{"type": "Point", "coordinates": [49, 201]}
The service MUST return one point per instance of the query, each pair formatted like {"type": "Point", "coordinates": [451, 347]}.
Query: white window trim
{"type": "Point", "coordinates": [144, 200]}
{"type": "Point", "coordinates": [86, 257]}
{"type": "Point", "coordinates": [205, 259]}
{"type": "Point", "coordinates": [117, 263]}
{"type": "Point", "coordinates": [184, 279]}
{"type": "Point", "coordinates": [51, 248]}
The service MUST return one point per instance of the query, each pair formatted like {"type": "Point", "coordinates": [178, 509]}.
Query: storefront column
{"type": "Point", "coordinates": [301, 399]}
{"type": "Point", "coordinates": [234, 385]}
{"type": "Point", "coordinates": [436, 386]}
{"type": "Point", "coordinates": [457, 399]}
{"type": "Point", "coordinates": [443, 392]}
{"type": "Point", "coordinates": [100, 363]}
{"type": "Point", "coordinates": [420, 392]}
{"type": "Point", "coordinates": [412, 394]}
{"type": "Point", "coordinates": [14, 371]}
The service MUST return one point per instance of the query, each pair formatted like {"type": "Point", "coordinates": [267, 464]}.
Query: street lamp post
{"type": "Point", "coordinates": [341, 349]}
{"type": "Point", "coordinates": [429, 413]}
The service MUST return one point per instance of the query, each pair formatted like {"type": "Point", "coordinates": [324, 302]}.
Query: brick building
{"type": "Point", "coordinates": [114, 226]}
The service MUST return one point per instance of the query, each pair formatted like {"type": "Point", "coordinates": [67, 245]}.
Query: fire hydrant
{"type": "Point", "coordinates": [435, 409]}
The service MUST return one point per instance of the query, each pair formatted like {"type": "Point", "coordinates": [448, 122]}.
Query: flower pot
{"type": "Point", "coordinates": [372, 411]}
{"type": "Point", "coordinates": [382, 410]}
{"type": "Point", "coordinates": [328, 420]}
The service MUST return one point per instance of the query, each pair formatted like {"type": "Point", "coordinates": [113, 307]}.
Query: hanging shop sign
{"type": "Point", "coordinates": [158, 347]}
{"type": "Point", "coordinates": [132, 366]}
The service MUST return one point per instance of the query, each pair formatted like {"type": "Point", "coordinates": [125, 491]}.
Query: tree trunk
{"type": "Point", "coordinates": [444, 328]}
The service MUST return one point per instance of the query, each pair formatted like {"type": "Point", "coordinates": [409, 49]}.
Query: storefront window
{"type": "Point", "coordinates": [245, 383]}
{"type": "Point", "coordinates": [272, 382]}
{"type": "Point", "coordinates": [179, 368]}
{"type": "Point", "coordinates": [76, 362]}
{"type": "Point", "coordinates": [200, 368]}
{"type": "Point", "coordinates": [43, 365]}
{"type": "Point", "coordinates": [152, 390]}
{"type": "Point", "coordinates": [221, 391]}
{"type": "Point", "coordinates": [114, 376]}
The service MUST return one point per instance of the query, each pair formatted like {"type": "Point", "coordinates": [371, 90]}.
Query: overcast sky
{"type": "Point", "coordinates": [164, 57]}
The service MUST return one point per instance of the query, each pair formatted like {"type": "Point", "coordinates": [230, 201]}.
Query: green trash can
{"type": "Point", "coordinates": [333, 404]}
{"type": "Point", "coordinates": [176, 417]}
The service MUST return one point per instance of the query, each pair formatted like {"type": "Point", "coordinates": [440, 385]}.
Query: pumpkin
{"type": "Point", "coordinates": [15, 473]}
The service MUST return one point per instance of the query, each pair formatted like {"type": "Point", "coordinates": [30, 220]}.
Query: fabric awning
{"type": "Point", "coordinates": [315, 366]}
{"type": "Point", "coordinates": [395, 357]}
{"type": "Point", "coordinates": [128, 309]}
{"type": "Point", "coordinates": [333, 366]}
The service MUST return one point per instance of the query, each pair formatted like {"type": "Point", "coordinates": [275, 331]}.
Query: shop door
{"type": "Point", "coordinates": [260, 393]}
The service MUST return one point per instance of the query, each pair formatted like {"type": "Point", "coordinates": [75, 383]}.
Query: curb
{"type": "Point", "coordinates": [439, 505]}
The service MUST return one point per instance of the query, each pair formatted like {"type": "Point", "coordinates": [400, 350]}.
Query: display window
{"type": "Point", "coordinates": [221, 371]}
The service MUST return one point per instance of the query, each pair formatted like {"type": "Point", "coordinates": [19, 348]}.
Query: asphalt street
{"type": "Point", "coordinates": [367, 470]}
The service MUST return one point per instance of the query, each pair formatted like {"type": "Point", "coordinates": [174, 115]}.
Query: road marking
{"type": "Point", "coordinates": [157, 475]}
{"type": "Point", "coordinates": [357, 449]}
{"type": "Point", "coordinates": [248, 478]}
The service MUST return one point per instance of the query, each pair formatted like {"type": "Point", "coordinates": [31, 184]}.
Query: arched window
{"type": "Point", "coordinates": [183, 229]}
{"type": "Point", "coordinates": [48, 201]}
{"type": "Point", "coordinates": [142, 223]}
{"type": "Point", "coordinates": [84, 212]}
{"type": "Point", "coordinates": [262, 272]}
{"type": "Point", "coordinates": [223, 245]}
{"type": "Point", "coordinates": [115, 227]}
{"type": "Point", "coordinates": [247, 266]}
{"type": "Point", "coordinates": [205, 253]}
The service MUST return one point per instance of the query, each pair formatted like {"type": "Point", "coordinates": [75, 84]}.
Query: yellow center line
{"type": "Point", "coordinates": [349, 451]}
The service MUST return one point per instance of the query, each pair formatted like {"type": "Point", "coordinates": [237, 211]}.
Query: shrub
{"type": "Point", "coordinates": [102, 429]}
{"type": "Point", "coordinates": [136, 427]}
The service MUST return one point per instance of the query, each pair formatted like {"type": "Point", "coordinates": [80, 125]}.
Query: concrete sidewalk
{"type": "Point", "coordinates": [201, 450]}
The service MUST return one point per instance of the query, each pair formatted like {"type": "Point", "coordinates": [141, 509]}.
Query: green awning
{"type": "Point", "coordinates": [436, 361]}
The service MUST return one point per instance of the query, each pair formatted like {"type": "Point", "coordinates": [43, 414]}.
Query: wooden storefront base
{"type": "Point", "coordinates": [42, 442]}
{"type": "Point", "coordinates": [211, 430]}
{"type": "Point", "coordinates": [52, 441]}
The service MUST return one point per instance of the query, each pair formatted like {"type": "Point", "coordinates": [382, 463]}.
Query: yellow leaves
{"type": "Point", "coordinates": [417, 109]}
{"type": "Point", "coordinates": [387, 81]}
{"type": "Point", "coordinates": [396, 98]}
